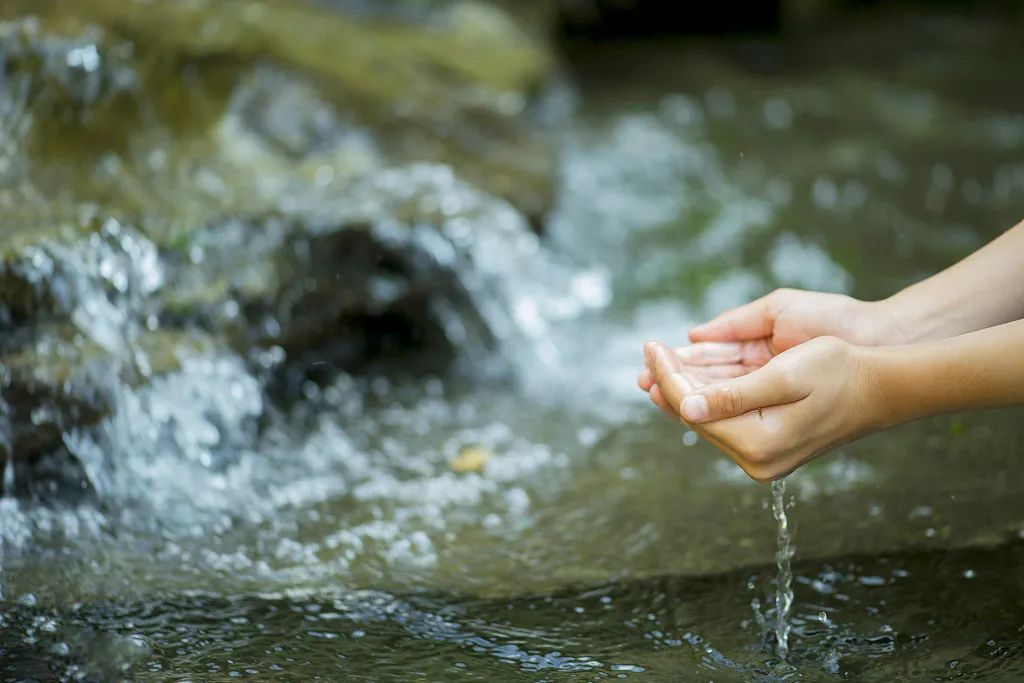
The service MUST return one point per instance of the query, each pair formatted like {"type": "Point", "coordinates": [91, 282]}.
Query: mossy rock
{"type": "Point", "coordinates": [173, 173]}
{"type": "Point", "coordinates": [115, 82]}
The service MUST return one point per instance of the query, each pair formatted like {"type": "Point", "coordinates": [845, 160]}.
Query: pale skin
{"type": "Point", "coordinates": [795, 374]}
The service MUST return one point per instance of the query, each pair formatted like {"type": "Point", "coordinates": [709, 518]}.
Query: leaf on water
{"type": "Point", "coordinates": [471, 459]}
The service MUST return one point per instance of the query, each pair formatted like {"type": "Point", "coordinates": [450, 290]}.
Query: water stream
{"type": "Point", "coordinates": [212, 530]}
{"type": "Point", "coordinates": [784, 579]}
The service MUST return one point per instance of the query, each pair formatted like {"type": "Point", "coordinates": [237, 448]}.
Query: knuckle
{"type": "Point", "coordinates": [729, 400]}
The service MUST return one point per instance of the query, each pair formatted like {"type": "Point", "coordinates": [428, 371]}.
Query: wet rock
{"type": "Point", "coordinates": [65, 380]}
{"type": "Point", "coordinates": [95, 276]}
{"type": "Point", "coordinates": [231, 176]}
{"type": "Point", "coordinates": [454, 88]}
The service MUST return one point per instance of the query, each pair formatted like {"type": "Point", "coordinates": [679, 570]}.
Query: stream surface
{"type": "Point", "coordinates": [598, 541]}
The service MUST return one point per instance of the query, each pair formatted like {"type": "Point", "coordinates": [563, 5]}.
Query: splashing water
{"type": "Point", "coordinates": [784, 578]}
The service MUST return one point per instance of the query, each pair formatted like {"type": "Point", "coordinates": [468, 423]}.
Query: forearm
{"type": "Point", "coordinates": [982, 290]}
{"type": "Point", "coordinates": [983, 369]}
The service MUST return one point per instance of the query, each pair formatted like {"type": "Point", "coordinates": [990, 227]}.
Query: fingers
{"type": "Point", "coordinates": [715, 362]}
{"type": "Point", "coordinates": [672, 382]}
{"type": "Point", "coordinates": [658, 399]}
{"type": "Point", "coordinates": [753, 353]}
{"type": "Point", "coordinates": [715, 373]}
{"type": "Point", "coordinates": [745, 438]}
{"type": "Point", "coordinates": [711, 353]}
{"type": "Point", "coordinates": [653, 350]}
{"type": "Point", "coordinates": [751, 321]}
{"type": "Point", "coordinates": [762, 388]}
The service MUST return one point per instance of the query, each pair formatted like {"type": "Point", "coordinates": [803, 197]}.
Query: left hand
{"type": "Point", "coordinates": [800, 404]}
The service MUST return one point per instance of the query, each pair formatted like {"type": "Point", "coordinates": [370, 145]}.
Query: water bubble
{"type": "Point", "coordinates": [86, 58]}
{"type": "Point", "coordinates": [778, 113]}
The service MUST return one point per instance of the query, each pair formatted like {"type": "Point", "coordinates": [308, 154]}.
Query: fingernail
{"type": "Point", "coordinates": [695, 408]}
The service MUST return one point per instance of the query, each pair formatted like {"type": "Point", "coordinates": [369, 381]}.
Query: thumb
{"type": "Point", "coordinates": [750, 321]}
{"type": "Point", "coordinates": [761, 388]}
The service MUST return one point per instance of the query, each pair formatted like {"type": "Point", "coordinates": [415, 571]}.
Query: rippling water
{"type": "Point", "coordinates": [226, 536]}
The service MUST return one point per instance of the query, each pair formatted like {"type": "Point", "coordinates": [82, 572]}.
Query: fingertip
{"type": "Point", "coordinates": [711, 331]}
{"type": "Point", "coordinates": [664, 360]}
{"type": "Point", "coordinates": [695, 408]}
{"type": "Point", "coordinates": [645, 379]}
{"type": "Point", "coordinates": [649, 347]}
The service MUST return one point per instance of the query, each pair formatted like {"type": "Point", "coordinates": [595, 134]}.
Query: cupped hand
{"type": "Point", "coordinates": [801, 403]}
{"type": "Point", "coordinates": [709, 362]}
{"type": "Point", "coordinates": [754, 333]}
{"type": "Point", "coordinates": [745, 338]}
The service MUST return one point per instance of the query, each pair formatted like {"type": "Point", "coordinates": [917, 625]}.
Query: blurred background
{"type": "Point", "coordinates": [320, 321]}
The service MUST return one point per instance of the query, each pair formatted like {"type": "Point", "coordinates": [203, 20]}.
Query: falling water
{"type": "Point", "coordinates": [6, 489]}
{"type": "Point", "coordinates": [784, 579]}
{"type": "Point", "coordinates": [7, 480]}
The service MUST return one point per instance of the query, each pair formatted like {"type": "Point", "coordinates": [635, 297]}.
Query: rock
{"type": "Point", "coordinates": [452, 90]}
{"type": "Point", "coordinates": [65, 380]}
{"type": "Point", "coordinates": [95, 276]}
{"type": "Point", "coordinates": [224, 177]}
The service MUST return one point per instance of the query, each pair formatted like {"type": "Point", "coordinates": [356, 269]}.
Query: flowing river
{"type": "Point", "coordinates": [525, 514]}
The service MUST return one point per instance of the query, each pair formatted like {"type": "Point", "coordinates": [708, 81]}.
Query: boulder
{"type": "Point", "coordinates": [241, 175]}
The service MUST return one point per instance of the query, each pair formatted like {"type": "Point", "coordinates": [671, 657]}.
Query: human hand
{"type": "Point", "coordinates": [747, 337]}
{"type": "Point", "coordinates": [799, 404]}
{"type": "Point", "coordinates": [742, 339]}
{"type": "Point", "coordinates": [712, 362]}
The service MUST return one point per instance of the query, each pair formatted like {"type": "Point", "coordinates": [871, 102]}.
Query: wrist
{"type": "Point", "coordinates": [900, 381]}
{"type": "Point", "coordinates": [895, 323]}
{"type": "Point", "coordinates": [875, 408]}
